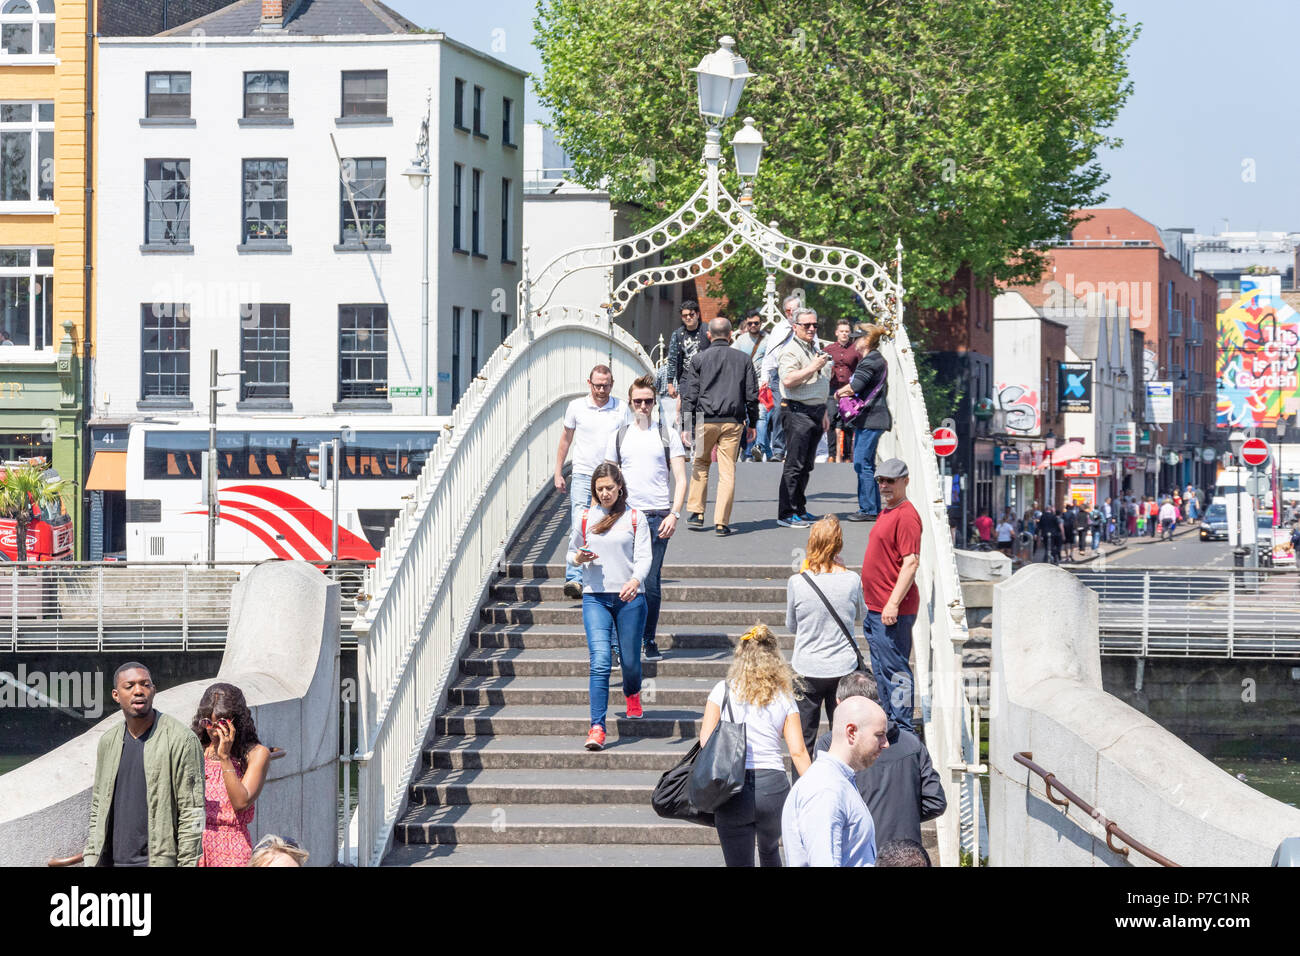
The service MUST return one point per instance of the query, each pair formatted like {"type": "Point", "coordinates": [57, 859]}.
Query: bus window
{"type": "Point", "coordinates": [376, 523]}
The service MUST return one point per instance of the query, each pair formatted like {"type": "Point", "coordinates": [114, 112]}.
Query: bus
{"type": "Point", "coordinates": [271, 504]}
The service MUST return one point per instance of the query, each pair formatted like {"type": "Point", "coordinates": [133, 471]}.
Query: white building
{"type": "Point", "coordinates": [245, 164]}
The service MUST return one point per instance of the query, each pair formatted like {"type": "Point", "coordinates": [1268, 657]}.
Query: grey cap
{"type": "Point", "coordinates": [892, 468]}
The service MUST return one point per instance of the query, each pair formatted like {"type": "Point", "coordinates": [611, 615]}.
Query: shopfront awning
{"type": "Point", "coordinates": [107, 472]}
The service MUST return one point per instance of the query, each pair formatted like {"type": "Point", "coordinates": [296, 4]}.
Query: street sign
{"type": "Point", "coordinates": [405, 391]}
{"type": "Point", "coordinates": [1132, 463]}
{"type": "Point", "coordinates": [945, 441]}
{"type": "Point", "coordinates": [1254, 452]}
{"type": "Point", "coordinates": [1124, 438]}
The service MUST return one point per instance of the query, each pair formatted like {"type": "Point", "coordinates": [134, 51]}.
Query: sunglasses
{"type": "Point", "coordinates": [807, 325]}
{"type": "Point", "coordinates": [885, 481]}
{"type": "Point", "coordinates": [643, 401]}
{"type": "Point", "coordinates": [208, 724]}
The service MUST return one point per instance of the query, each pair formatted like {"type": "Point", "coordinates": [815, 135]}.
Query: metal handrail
{"type": "Point", "coordinates": [1026, 759]}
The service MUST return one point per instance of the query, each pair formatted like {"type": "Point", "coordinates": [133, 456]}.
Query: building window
{"type": "Point", "coordinates": [165, 350]}
{"type": "Point", "coordinates": [27, 26]}
{"type": "Point", "coordinates": [266, 200]}
{"type": "Point", "coordinates": [26, 152]}
{"type": "Point", "coordinates": [507, 121]}
{"type": "Point", "coordinates": [455, 354]}
{"type": "Point", "coordinates": [266, 94]}
{"type": "Point", "coordinates": [505, 220]}
{"type": "Point", "coordinates": [167, 201]}
{"type": "Point", "coordinates": [475, 324]}
{"type": "Point", "coordinates": [505, 326]}
{"type": "Point", "coordinates": [263, 352]}
{"type": "Point", "coordinates": [363, 183]}
{"type": "Point", "coordinates": [478, 112]}
{"type": "Point", "coordinates": [457, 186]}
{"type": "Point", "coordinates": [363, 352]}
{"type": "Point", "coordinates": [167, 95]}
{"type": "Point", "coordinates": [476, 214]}
{"type": "Point", "coordinates": [458, 106]}
{"type": "Point", "coordinates": [365, 93]}
{"type": "Point", "coordinates": [26, 298]}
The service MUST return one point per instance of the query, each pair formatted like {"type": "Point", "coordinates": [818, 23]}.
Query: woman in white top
{"type": "Point", "coordinates": [758, 692]}
{"type": "Point", "coordinates": [611, 544]}
{"type": "Point", "coordinates": [1006, 533]}
{"type": "Point", "coordinates": [823, 650]}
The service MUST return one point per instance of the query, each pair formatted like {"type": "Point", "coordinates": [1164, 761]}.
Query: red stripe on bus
{"type": "Point", "coordinates": [261, 534]}
{"type": "Point", "coordinates": [294, 540]}
{"type": "Point", "coordinates": [320, 526]}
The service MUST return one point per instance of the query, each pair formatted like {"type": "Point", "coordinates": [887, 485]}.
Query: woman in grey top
{"type": "Point", "coordinates": [823, 651]}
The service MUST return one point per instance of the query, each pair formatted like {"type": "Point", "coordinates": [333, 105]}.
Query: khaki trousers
{"type": "Point", "coordinates": [725, 436]}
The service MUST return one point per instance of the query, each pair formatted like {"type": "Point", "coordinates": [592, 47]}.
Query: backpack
{"type": "Point", "coordinates": [663, 437]}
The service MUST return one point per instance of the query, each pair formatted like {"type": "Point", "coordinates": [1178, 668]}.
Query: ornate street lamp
{"type": "Point", "coordinates": [419, 176]}
{"type": "Point", "coordinates": [747, 145]}
{"type": "Point", "coordinates": [720, 78]}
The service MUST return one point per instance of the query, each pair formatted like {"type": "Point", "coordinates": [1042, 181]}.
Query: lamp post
{"type": "Point", "coordinates": [419, 176]}
{"type": "Point", "coordinates": [748, 145]}
{"type": "Point", "coordinates": [1049, 443]}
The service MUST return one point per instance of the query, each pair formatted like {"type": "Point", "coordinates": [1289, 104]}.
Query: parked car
{"type": "Point", "coordinates": [1214, 526]}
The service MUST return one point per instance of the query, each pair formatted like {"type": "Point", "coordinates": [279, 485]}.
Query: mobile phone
{"type": "Point", "coordinates": [587, 552]}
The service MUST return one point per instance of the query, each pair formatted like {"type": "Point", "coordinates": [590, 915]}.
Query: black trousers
{"type": "Point", "coordinates": [755, 812]}
{"type": "Point", "coordinates": [803, 430]}
{"type": "Point", "coordinates": [818, 692]}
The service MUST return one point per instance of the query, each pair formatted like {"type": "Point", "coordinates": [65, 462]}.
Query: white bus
{"type": "Point", "coordinates": [270, 504]}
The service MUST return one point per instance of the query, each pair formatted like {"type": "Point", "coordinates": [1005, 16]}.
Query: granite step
{"type": "Point", "coordinates": [553, 854]}
{"type": "Point", "coordinates": [699, 590]}
{"type": "Point", "coordinates": [676, 572]}
{"type": "Point", "coordinates": [575, 662]}
{"type": "Point", "coordinates": [684, 692]}
{"type": "Point", "coordinates": [548, 823]}
{"type": "Point", "coordinates": [671, 637]}
{"type": "Point", "coordinates": [548, 752]}
{"type": "Point", "coordinates": [670, 613]}
{"type": "Point", "coordinates": [565, 720]}
{"type": "Point", "coordinates": [591, 785]}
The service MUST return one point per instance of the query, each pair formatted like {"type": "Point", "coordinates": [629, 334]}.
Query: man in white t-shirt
{"type": "Point", "coordinates": [588, 423]}
{"type": "Point", "coordinates": [782, 334]}
{"type": "Point", "coordinates": [649, 453]}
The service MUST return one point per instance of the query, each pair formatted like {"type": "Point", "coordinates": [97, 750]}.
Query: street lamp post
{"type": "Point", "coordinates": [419, 176]}
{"type": "Point", "coordinates": [1049, 444]}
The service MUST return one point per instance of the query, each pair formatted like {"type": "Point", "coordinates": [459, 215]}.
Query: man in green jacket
{"type": "Point", "coordinates": [146, 808]}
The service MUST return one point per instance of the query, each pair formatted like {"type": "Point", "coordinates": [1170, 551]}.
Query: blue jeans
{"type": "Point", "coordinates": [579, 498]}
{"type": "Point", "coordinates": [606, 618]}
{"type": "Point", "coordinates": [890, 645]}
{"type": "Point", "coordinates": [761, 440]}
{"type": "Point", "coordinates": [775, 428]}
{"type": "Point", "coordinates": [865, 441]}
{"type": "Point", "coordinates": [653, 592]}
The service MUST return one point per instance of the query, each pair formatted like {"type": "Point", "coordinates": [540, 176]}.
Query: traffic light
{"type": "Point", "coordinates": [318, 467]}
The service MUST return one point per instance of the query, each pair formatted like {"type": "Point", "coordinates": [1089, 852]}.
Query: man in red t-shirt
{"type": "Point", "coordinates": [889, 590]}
{"type": "Point", "coordinates": [984, 525]}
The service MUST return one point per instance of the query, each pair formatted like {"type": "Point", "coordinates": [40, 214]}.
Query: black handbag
{"type": "Point", "coordinates": [848, 635]}
{"type": "Point", "coordinates": [719, 770]}
{"type": "Point", "coordinates": [669, 799]}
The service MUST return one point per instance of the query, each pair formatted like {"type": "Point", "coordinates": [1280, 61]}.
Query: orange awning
{"type": "Point", "coordinates": [107, 472]}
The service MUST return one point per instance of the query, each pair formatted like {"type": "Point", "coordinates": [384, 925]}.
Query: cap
{"type": "Point", "coordinates": [892, 468]}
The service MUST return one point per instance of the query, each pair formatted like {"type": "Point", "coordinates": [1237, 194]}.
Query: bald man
{"type": "Point", "coordinates": [719, 407]}
{"type": "Point", "coordinates": [825, 821]}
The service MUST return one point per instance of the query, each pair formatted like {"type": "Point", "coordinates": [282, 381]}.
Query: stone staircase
{"type": "Point", "coordinates": [504, 778]}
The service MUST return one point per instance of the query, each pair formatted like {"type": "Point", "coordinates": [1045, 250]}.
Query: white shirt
{"type": "Point", "coordinates": [1006, 531]}
{"type": "Point", "coordinates": [643, 466]}
{"type": "Point", "coordinates": [781, 335]}
{"type": "Point", "coordinates": [764, 727]}
{"type": "Point", "coordinates": [621, 553]}
{"type": "Point", "coordinates": [592, 427]}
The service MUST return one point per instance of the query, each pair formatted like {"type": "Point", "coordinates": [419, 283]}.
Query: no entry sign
{"type": "Point", "coordinates": [945, 442]}
{"type": "Point", "coordinates": [1254, 452]}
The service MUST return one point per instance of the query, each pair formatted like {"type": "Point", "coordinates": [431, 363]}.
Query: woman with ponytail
{"type": "Point", "coordinates": [758, 692]}
{"type": "Point", "coordinates": [611, 545]}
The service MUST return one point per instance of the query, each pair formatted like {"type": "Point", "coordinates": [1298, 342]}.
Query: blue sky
{"type": "Point", "coordinates": [1207, 132]}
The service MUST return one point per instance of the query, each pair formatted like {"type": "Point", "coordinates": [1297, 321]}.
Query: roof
{"type": "Point", "coordinates": [305, 18]}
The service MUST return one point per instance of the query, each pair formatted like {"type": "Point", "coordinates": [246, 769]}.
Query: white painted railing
{"type": "Point", "coordinates": [430, 577]}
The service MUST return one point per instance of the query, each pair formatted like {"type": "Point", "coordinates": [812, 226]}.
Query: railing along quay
{"type": "Point", "coordinates": [120, 605]}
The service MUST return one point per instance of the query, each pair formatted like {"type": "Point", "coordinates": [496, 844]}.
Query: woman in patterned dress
{"type": "Point", "coordinates": [234, 763]}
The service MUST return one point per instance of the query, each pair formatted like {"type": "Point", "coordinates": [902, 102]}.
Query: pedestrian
{"type": "Point", "coordinates": [1108, 519]}
{"type": "Point", "coordinates": [823, 605]}
{"type": "Point", "coordinates": [889, 590]}
{"type": "Point", "coordinates": [146, 803]}
{"type": "Point", "coordinates": [901, 789]}
{"type": "Point", "coordinates": [844, 359]}
{"type": "Point", "coordinates": [611, 544]}
{"type": "Point", "coordinates": [649, 453]}
{"type": "Point", "coordinates": [1152, 510]}
{"type": "Point", "coordinates": [272, 850]}
{"type": "Point", "coordinates": [1006, 533]}
{"type": "Point", "coordinates": [1049, 527]}
{"type": "Point", "coordinates": [1067, 531]}
{"type": "Point", "coordinates": [825, 821]}
{"type": "Point", "coordinates": [683, 345]}
{"type": "Point", "coordinates": [984, 527]}
{"type": "Point", "coordinates": [750, 344]}
{"type": "Point", "coordinates": [870, 384]}
{"type": "Point", "coordinates": [758, 692]}
{"type": "Point", "coordinates": [778, 337]}
{"type": "Point", "coordinates": [1168, 517]}
{"type": "Point", "coordinates": [902, 853]}
{"type": "Point", "coordinates": [805, 386]}
{"type": "Point", "coordinates": [1082, 527]}
{"type": "Point", "coordinates": [588, 423]}
{"type": "Point", "coordinates": [719, 410]}
{"type": "Point", "coordinates": [1096, 524]}
{"type": "Point", "coordinates": [235, 763]}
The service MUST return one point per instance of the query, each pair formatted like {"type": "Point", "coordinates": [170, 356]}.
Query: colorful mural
{"type": "Point", "coordinates": [1020, 402]}
{"type": "Point", "coordinates": [1258, 343]}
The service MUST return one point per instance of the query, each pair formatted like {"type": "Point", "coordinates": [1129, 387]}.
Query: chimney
{"type": "Point", "coordinates": [272, 14]}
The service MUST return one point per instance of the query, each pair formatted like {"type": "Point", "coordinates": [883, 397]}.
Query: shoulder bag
{"type": "Point", "coordinates": [670, 799]}
{"type": "Point", "coordinates": [851, 406]}
{"type": "Point", "coordinates": [848, 635]}
{"type": "Point", "coordinates": [719, 770]}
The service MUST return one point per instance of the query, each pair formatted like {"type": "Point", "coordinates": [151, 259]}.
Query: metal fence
{"type": "Point", "coordinates": [1162, 612]}
{"type": "Point", "coordinates": [110, 605]}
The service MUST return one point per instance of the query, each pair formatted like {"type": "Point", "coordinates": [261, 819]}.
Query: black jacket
{"type": "Point", "coordinates": [683, 345]}
{"type": "Point", "coordinates": [719, 385]}
{"type": "Point", "coordinates": [866, 376]}
{"type": "Point", "coordinates": [901, 788]}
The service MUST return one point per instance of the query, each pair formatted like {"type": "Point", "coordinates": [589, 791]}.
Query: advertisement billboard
{"type": "Point", "coordinates": [1160, 402]}
{"type": "Point", "coordinates": [1075, 387]}
{"type": "Point", "coordinates": [1258, 341]}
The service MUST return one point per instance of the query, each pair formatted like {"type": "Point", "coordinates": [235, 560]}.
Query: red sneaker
{"type": "Point", "coordinates": [634, 711]}
{"type": "Point", "coordinates": [595, 737]}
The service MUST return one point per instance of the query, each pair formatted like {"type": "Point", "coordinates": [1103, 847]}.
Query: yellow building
{"type": "Point", "coordinates": [43, 229]}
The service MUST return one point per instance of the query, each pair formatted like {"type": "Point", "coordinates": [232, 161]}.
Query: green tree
{"type": "Point", "coordinates": [23, 489]}
{"type": "Point", "coordinates": [970, 128]}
